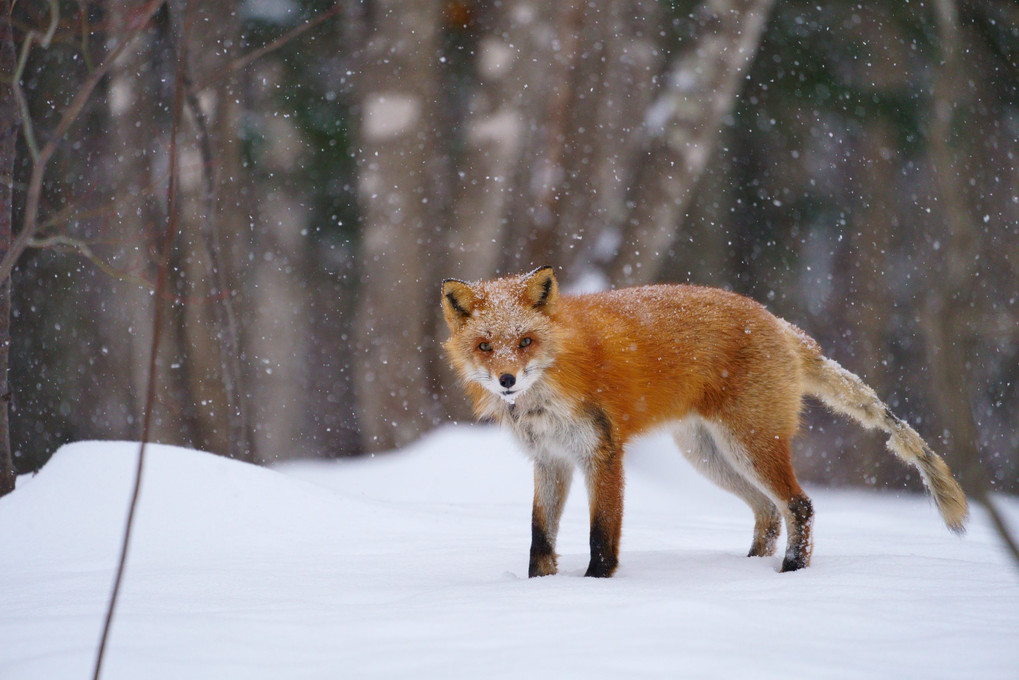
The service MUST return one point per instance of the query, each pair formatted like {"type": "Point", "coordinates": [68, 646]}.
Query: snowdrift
{"type": "Point", "coordinates": [414, 564]}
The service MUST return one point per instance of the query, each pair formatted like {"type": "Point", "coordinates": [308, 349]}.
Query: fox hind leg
{"type": "Point", "coordinates": [765, 460]}
{"type": "Point", "coordinates": [699, 446]}
{"type": "Point", "coordinates": [799, 516]}
{"type": "Point", "coordinates": [767, 527]}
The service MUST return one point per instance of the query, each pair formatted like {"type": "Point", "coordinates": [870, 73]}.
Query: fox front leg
{"type": "Point", "coordinates": [605, 491]}
{"type": "Point", "coordinates": [551, 485]}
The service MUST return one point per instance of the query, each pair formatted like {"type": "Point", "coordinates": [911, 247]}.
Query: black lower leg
{"type": "Point", "coordinates": [604, 552]}
{"type": "Point", "coordinates": [543, 558]}
{"type": "Point", "coordinates": [799, 520]}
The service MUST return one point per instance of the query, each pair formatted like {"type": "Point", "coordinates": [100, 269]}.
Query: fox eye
{"type": "Point", "coordinates": [525, 342]}
{"type": "Point", "coordinates": [485, 346]}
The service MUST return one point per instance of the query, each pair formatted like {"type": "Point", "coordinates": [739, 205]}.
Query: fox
{"type": "Point", "coordinates": [577, 377]}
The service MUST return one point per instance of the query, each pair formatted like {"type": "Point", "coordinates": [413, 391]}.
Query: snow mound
{"type": "Point", "coordinates": [413, 564]}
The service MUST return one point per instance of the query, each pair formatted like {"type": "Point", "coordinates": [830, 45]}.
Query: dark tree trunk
{"type": "Point", "coordinates": [948, 335]}
{"type": "Point", "coordinates": [8, 136]}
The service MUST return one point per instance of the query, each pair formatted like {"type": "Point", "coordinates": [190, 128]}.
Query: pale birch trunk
{"type": "Point", "coordinates": [681, 129]}
{"type": "Point", "coordinates": [584, 144]}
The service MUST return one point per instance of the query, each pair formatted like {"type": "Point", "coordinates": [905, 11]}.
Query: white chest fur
{"type": "Point", "coordinates": [550, 429]}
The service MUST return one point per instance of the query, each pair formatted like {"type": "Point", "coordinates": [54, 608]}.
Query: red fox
{"type": "Point", "coordinates": [576, 377]}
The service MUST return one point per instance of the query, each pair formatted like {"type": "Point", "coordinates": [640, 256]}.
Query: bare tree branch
{"type": "Point", "coordinates": [77, 210]}
{"type": "Point", "coordinates": [242, 62]}
{"type": "Point", "coordinates": [44, 40]}
{"type": "Point", "coordinates": [85, 250]}
{"type": "Point", "coordinates": [68, 117]}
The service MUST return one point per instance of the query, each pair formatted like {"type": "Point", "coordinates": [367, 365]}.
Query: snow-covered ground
{"type": "Point", "coordinates": [414, 565]}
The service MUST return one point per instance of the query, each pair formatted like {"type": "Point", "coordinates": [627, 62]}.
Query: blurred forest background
{"type": "Point", "coordinates": [850, 165]}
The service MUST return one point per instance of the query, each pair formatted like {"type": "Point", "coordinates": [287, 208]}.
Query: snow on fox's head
{"type": "Point", "coordinates": [501, 330]}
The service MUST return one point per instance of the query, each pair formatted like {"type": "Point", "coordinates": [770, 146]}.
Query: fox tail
{"type": "Point", "coordinates": [844, 392]}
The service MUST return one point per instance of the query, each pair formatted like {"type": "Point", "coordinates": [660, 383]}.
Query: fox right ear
{"type": "Point", "coordinates": [458, 302]}
{"type": "Point", "coordinates": [541, 289]}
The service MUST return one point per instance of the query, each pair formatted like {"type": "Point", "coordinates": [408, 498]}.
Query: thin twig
{"type": "Point", "coordinates": [243, 61]}
{"type": "Point", "coordinates": [44, 40]}
{"type": "Point", "coordinates": [42, 156]}
{"type": "Point", "coordinates": [70, 114]}
{"type": "Point", "coordinates": [85, 250]}
{"type": "Point", "coordinates": [74, 208]}
{"type": "Point", "coordinates": [157, 325]}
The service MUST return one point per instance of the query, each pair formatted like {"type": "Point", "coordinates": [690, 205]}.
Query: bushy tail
{"type": "Point", "coordinates": [844, 392]}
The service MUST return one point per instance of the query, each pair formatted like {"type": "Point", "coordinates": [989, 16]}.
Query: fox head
{"type": "Point", "coordinates": [502, 333]}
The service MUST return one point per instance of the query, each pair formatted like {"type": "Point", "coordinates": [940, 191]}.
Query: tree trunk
{"type": "Point", "coordinates": [544, 88]}
{"type": "Point", "coordinates": [401, 175]}
{"type": "Point", "coordinates": [499, 125]}
{"type": "Point", "coordinates": [575, 155]}
{"type": "Point", "coordinates": [9, 119]}
{"type": "Point", "coordinates": [948, 335]}
{"type": "Point", "coordinates": [198, 397]}
{"type": "Point", "coordinates": [137, 122]}
{"type": "Point", "coordinates": [561, 91]}
{"type": "Point", "coordinates": [211, 335]}
{"type": "Point", "coordinates": [615, 85]}
{"type": "Point", "coordinates": [680, 131]}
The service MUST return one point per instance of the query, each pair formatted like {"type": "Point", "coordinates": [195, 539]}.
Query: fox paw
{"type": "Point", "coordinates": [542, 565]}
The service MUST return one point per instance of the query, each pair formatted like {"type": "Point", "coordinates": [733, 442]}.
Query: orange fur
{"type": "Point", "coordinates": [577, 377]}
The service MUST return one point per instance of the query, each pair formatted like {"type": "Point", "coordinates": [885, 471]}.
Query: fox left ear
{"type": "Point", "coordinates": [458, 300]}
{"type": "Point", "coordinates": [541, 288]}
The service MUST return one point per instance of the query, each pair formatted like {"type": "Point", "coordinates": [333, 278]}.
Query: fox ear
{"type": "Point", "coordinates": [541, 288]}
{"type": "Point", "coordinates": [458, 302]}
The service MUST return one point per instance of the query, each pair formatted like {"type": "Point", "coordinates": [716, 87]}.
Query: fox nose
{"type": "Point", "coordinates": [507, 380]}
